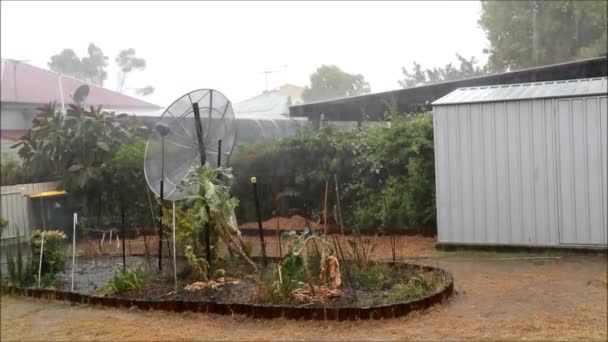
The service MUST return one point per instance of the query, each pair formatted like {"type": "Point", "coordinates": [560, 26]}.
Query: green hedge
{"type": "Point", "coordinates": [386, 174]}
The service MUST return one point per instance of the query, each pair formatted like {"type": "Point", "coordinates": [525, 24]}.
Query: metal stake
{"type": "Point", "coordinates": [74, 248]}
{"type": "Point", "coordinates": [124, 237]}
{"type": "Point", "coordinates": [160, 208]}
{"type": "Point", "coordinates": [257, 209]}
{"type": "Point", "coordinates": [201, 150]}
{"type": "Point", "coordinates": [219, 153]}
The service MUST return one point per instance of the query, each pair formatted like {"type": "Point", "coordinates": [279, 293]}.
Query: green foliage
{"type": "Point", "coordinates": [48, 280]}
{"type": "Point", "coordinates": [71, 147]}
{"type": "Point", "coordinates": [467, 68]}
{"type": "Point", "coordinates": [3, 225]}
{"type": "Point", "coordinates": [295, 267]}
{"type": "Point", "coordinates": [96, 155]}
{"type": "Point", "coordinates": [198, 265]}
{"type": "Point", "coordinates": [529, 33]}
{"type": "Point", "coordinates": [360, 249]}
{"type": "Point", "coordinates": [329, 82]}
{"type": "Point", "coordinates": [12, 172]}
{"type": "Point", "coordinates": [386, 175]}
{"type": "Point", "coordinates": [54, 252]}
{"type": "Point", "coordinates": [371, 278]}
{"type": "Point", "coordinates": [126, 183]}
{"type": "Point", "coordinates": [208, 207]}
{"type": "Point", "coordinates": [20, 269]}
{"type": "Point", "coordinates": [126, 281]}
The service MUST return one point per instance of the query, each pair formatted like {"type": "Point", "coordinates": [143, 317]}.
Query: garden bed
{"type": "Point", "coordinates": [384, 297]}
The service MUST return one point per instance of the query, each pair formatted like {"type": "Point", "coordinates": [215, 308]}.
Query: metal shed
{"type": "Point", "coordinates": [523, 164]}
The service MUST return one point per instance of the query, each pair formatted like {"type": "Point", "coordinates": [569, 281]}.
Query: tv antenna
{"type": "Point", "coordinates": [268, 72]}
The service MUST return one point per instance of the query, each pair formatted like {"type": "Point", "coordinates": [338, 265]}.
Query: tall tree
{"type": "Point", "coordinates": [90, 68]}
{"type": "Point", "coordinates": [329, 82]}
{"type": "Point", "coordinates": [128, 62]}
{"type": "Point", "coordinates": [467, 68]}
{"type": "Point", "coordinates": [66, 62]}
{"type": "Point", "coordinates": [94, 65]}
{"type": "Point", "coordinates": [529, 33]}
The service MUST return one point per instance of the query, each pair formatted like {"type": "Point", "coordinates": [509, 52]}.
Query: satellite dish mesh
{"type": "Point", "coordinates": [181, 150]}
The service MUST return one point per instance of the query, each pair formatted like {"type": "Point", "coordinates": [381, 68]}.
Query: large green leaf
{"type": "Point", "coordinates": [102, 145]}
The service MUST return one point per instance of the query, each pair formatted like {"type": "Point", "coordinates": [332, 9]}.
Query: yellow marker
{"type": "Point", "coordinates": [253, 180]}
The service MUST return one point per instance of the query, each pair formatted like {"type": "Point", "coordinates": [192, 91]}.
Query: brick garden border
{"type": "Point", "coordinates": [257, 310]}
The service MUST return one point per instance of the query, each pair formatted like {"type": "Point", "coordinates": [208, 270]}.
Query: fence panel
{"type": "Point", "coordinates": [16, 207]}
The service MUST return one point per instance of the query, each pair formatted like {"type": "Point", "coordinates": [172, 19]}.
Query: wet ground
{"type": "Point", "coordinates": [499, 297]}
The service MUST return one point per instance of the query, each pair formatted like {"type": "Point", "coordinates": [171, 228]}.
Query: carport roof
{"type": "Point", "coordinates": [523, 91]}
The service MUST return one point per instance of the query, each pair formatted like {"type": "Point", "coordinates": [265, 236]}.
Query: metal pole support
{"type": "Point", "coordinates": [257, 209]}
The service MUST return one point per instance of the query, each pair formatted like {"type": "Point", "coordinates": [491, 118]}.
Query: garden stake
{"type": "Point", "coordinates": [160, 228]}
{"type": "Point", "coordinates": [279, 239]}
{"type": "Point", "coordinates": [338, 204]}
{"type": "Point", "coordinates": [325, 208]}
{"type": "Point", "coordinates": [275, 200]}
{"type": "Point", "coordinates": [40, 263]}
{"type": "Point", "coordinates": [219, 153]}
{"type": "Point", "coordinates": [174, 257]}
{"type": "Point", "coordinates": [124, 238]}
{"type": "Point", "coordinates": [257, 210]}
{"type": "Point", "coordinates": [73, 248]}
{"type": "Point", "coordinates": [201, 152]}
{"type": "Point", "coordinates": [163, 130]}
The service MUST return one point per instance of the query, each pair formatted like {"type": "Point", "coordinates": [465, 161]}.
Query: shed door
{"type": "Point", "coordinates": [581, 136]}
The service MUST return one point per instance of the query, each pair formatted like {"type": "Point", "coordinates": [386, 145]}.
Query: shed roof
{"type": "Point", "coordinates": [524, 91]}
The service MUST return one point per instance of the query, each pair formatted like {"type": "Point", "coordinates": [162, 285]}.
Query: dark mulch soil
{"type": "Point", "coordinates": [363, 293]}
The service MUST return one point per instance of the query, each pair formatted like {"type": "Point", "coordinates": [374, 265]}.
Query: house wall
{"type": "Point", "coordinates": [15, 118]}
{"type": "Point", "coordinates": [529, 172]}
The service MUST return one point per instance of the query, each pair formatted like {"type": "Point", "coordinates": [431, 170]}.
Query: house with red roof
{"type": "Point", "coordinates": [24, 88]}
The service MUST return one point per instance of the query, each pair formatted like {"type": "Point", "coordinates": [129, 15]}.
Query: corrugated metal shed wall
{"type": "Point", "coordinates": [523, 172]}
{"type": "Point", "coordinates": [16, 209]}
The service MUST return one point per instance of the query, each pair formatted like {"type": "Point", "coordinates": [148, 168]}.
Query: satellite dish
{"type": "Point", "coordinates": [173, 147]}
{"type": "Point", "coordinates": [81, 94]}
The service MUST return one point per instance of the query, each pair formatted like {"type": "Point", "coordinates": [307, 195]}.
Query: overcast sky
{"type": "Point", "coordinates": [228, 45]}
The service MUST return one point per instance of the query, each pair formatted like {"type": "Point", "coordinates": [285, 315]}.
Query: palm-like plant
{"type": "Point", "coordinates": [74, 148]}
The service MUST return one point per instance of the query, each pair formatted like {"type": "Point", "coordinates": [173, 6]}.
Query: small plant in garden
{"type": "Point", "coordinates": [126, 281]}
{"type": "Point", "coordinates": [361, 249]}
{"type": "Point", "coordinates": [54, 251]}
{"type": "Point", "coordinates": [295, 268]}
{"type": "Point", "coordinates": [197, 264]}
{"type": "Point", "coordinates": [3, 225]}
{"type": "Point", "coordinates": [20, 269]}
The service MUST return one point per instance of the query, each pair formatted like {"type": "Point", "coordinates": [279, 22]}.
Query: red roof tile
{"type": "Point", "coordinates": [13, 134]}
{"type": "Point", "coordinates": [40, 86]}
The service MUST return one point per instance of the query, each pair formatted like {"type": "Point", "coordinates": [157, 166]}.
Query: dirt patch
{"type": "Point", "coordinates": [407, 247]}
{"type": "Point", "coordinates": [295, 222]}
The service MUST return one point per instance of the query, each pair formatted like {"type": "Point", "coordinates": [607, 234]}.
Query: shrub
{"type": "Point", "coordinates": [126, 281]}
{"type": "Point", "coordinates": [386, 174]}
{"type": "Point", "coordinates": [20, 269]}
{"type": "Point", "coordinates": [54, 253]}
{"type": "Point", "coordinates": [3, 225]}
